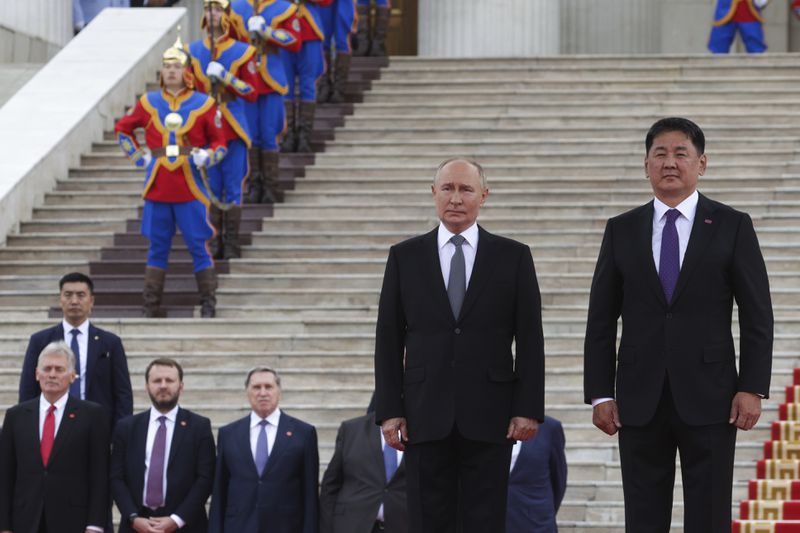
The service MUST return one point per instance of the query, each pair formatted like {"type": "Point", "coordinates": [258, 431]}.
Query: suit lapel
{"type": "Point", "coordinates": [375, 449]}
{"type": "Point", "coordinates": [481, 270]}
{"type": "Point", "coordinates": [139, 446]}
{"type": "Point", "coordinates": [93, 349]}
{"type": "Point", "coordinates": [242, 438]}
{"type": "Point", "coordinates": [178, 434]}
{"type": "Point", "coordinates": [432, 271]}
{"type": "Point", "coordinates": [282, 436]}
{"type": "Point", "coordinates": [645, 246]}
{"type": "Point", "coordinates": [702, 230]}
{"type": "Point", "coordinates": [31, 426]}
{"type": "Point", "coordinates": [72, 413]}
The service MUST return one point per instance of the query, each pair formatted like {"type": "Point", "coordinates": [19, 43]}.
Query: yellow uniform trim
{"type": "Point", "coordinates": [306, 14]}
{"type": "Point", "coordinates": [734, 4]}
{"type": "Point", "coordinates": [235, 125]}
{"type": "Point", "coordinates": [269, 80]}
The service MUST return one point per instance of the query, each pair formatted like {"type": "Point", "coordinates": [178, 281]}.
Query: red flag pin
{"type": "Point", "coordinates": [708, 221]}
{"type": "Point", "coordinates": [288, 433]}
{"type": "Point", "coordinates": [72, 415]}
{"type": "Point", "coordinates": [183, 423]}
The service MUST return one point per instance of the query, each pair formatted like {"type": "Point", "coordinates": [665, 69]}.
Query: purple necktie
{"type": "Point", "coordinates": [669, 265]}
{"type": "Point", "coordinates": [262, 453]}
{"type": "Point", "coordinates": [154, 498]}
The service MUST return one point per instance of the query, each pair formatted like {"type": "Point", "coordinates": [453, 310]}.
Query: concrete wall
{"type": "Point", "coordinates": [70, 102]}
{"type": "Point", "coordinates": [467, 28]}
{"type": "Point", "coordinates": [33, 31]}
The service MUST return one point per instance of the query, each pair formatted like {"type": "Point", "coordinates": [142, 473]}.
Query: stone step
{"type": "Point", "coordinates": [413, 64]}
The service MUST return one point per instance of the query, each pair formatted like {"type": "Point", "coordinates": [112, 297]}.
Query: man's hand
{"type": "Point", "coordinates": [141, 525]}
{"type": "Point", "coordinates": [745, 410]}
{"type": "Point", "coordinates": [395, 432]}
{"type": "Point", "coordinates": [606, 417]}
{"type": "Point", "coordinates": [521, 428]}
{"type": "Point", "coordinates": [163, 523]}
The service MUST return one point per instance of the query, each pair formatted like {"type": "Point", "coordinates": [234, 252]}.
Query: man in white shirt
{"type": "Point", "coordinates": [267, 472]}
{"type": "Point", "coordinates": [54, 456]}
{"type": "Point", "coordinates": [176, 448]}
{"type": "Point", "coordinates": [672, 269]}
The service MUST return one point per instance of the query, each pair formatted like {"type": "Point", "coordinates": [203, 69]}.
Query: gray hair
{"type": "Point", "coordinates": [259, 369]}
{"type": "Point", "coordinates": [471, 162]}
{"type": "Point", "coordinates": [57, 348]}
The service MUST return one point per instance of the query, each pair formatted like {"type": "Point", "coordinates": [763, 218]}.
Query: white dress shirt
{"type": "Point", "coordinates": [83, 346]}
{"type": "Point", "coordinates": [271, 428]}
{"type": "Point", "coordinates": [683, 224]}
{"type": "Point", "coordinates": [152, 428]}
{"type": "Point", "coordinates": [379, 518]}
{"type": "Point", "coordinates": [515, 454]}
{"type": "Point", "coordinates": [447, 249]}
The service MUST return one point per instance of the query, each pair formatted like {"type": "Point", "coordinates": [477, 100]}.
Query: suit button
{"type": "Point", "coordinates": [458, 331]}
{"type": "Point", "coordinates": [453, 363]}
{"type": "Point", "coordinates": [669, 315]}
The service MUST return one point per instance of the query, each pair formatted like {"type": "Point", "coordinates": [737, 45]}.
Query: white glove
{"type": "Point", "coordinates": [760, 4]}
{"type": "Point", "coordinates": [216, 70]}
{"type": "Point", "coordinates": [256, 24]}
{"type": "Point", "coordinates": [200, 157]}
{"type": "Point", "coordinates": [147, 157]}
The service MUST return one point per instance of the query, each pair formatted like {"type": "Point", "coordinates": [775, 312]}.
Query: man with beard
{"type": "Point", "coordinates": [176, 448]}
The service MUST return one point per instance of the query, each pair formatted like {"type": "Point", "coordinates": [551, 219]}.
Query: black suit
{"type": "Point", "coordinates": [190, 469]}
{"type": "Point", "coordinates": [676, 365]}
{"type": "Point", "coordinates": [72, 491]}
{"type": "Point", "coordinates": [107, 379]}
{"type": "Point", "coordinates": [355, 485]}
{"type": "Point", "coordinates": [451, 376]}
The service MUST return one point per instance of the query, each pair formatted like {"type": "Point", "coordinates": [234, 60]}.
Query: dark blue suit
{"type": "Point", "coordinates": [190, 469]}
{"type": "Point", "coordinates": [537, 483]}
{"type": "Point", "coordinates": [284, 499]}
{"type": "Point", "coordinates": [107, 379]}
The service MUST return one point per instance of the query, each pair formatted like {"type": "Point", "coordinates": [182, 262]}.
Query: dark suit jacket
{"type": "Point", "coordinates": [459, 371]}
{"type": "Point", "coordinates": [538, 481]}
{"type": "Point", "coordinates": [107, 380]}
{"type": "Point", "coordinates": [190, 469]}
{"type": "Point", "coordinates": [72, 492]}
{"type": "Point", "coordinates": [284, 499]}
{"type": "Point", "coordinates": [689, 341]}
{"type": "Point", "coordinates": [354, 485]}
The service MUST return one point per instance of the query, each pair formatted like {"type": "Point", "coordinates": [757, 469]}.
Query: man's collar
{"type": "Point", "coordinates": [273, 418]}
{"type": "Point", "coordinates": [470, 234]}
{"type": "Point", "coordinates": [83, 328]}
{"type": "Point", "coordinates": [688, 207]}
{"type": "Point", "coordinates": [60, 404]}
{"type": "Point", "coordinates": [171, 415]}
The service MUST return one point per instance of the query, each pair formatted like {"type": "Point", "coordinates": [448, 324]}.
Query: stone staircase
{"type": "Point", "coordinates": [562, 140]}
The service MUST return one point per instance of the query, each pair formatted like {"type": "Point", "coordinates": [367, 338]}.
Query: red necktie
{"type": "Point", "coordinates": [48, 434]}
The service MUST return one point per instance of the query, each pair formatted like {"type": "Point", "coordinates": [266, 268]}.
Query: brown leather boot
{"type": "Point", "coordinates": [305, 125]}
{"type": "Point", "coordinates": [207, 287]}
{"type": "Point", "coordinates": [272, 190]}
{"type": "Point", "coordinates": [325, 84]}
{"type": "Point", "coordinates": [341, 71]}
{"type": "Point", "coordinates": [255, 181]}
{"type": "Point", "coordinates": [378, 46]}
{"type": "Point", "coordinates": [232, 247]}
{"type": "Point", "coordinates": [153, 291]}
{"type": "Point", "coordinates": [215, 243]}
{"type": "Point", "coordinates": [289, 142]}
{"type": "Point", "coordinates": [360, 40]}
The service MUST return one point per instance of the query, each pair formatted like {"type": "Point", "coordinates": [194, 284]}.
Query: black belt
{"type": "Point", "coordinates": [162, 152]}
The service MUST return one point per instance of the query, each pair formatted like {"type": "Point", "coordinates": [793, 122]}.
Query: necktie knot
{"type": "Point", "coordinates": [672, 215]}
{"type": "Point", "coordinates": [457, 240]}
{"type": "Point", "coordinates": [75, 332]}
{"type": "Point", "coordinates": [162, 419]}
{"type": "Point", "coordinates": [263, 423]}
{"type": "Point", "coordinates": [51, 409]}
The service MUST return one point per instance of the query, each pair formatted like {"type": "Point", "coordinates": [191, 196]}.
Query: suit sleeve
{"type": "Point", "coordinates": [216, 514]}
{"type": "Point", "coordinates": [119, 454]}
{"type": "Point", "coordinates": [751, 290]}
{"type": "Point", "coordinates": [8, 470]}
{"type": "Point", "coordinates": [28, 386]}
{"type": "Point", "coordinates": [311, 484]}
{"type": "Point", "coordinates": [121, 386]}
{"type": "Point", "coordinates": [331, 484]}
{"type": "Point", "coordinates": [528, 400]}
{"type": "Point", "coordinates": [605, 306]}
{"type": "Point", "coordinates": [196, 498]}
{"type": "Point", "coordinates": [98, 467]}
{"type": "Point", "coordinates": [558, 465]}
{"type": "Point", "coordinates": [389, 345]}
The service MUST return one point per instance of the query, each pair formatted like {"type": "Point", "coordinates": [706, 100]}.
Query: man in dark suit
{"type": "Point", "coordinates": [162, 463]}
{"type": "Point", "coordinates": [672, 269]}
{"type": "Point", "coordinates": [364, 487]}
{"type": "Point", "coordinates": [448, 389]}
{"type": "Point", "coordinates": [537, 481]}
{"type": "Point", "coordinates": [267, 472]}
{"type": "Point", "coordinates": [102, 368]}
{"type": "Point", "coordinates": [54, 456]}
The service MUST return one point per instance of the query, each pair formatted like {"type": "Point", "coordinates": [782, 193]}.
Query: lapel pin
{"type": "Point", "coordinates": [96, 338]}
{"type": "Point", "coordinates": [288, 433]}
{"type": "Point", "coordinates": [708, 221]}
{"type": "Point", "coordinates": [183, 423]}
{"type": "Point", "coordinates": [72, 415]}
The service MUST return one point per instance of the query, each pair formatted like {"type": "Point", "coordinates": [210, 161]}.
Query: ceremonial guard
{"type": "Point", "coordinates": [270, 26]}
{"type": "Point", "coordinates": [339, 22]}
{"type": "Point", "coordinates": [742, 15]}
{"type": "Point", "coordinates": [374, 31]}
{"type": "Point", "coordinates": [184, 136]}
{"type": "Point", "coordinates": [226, 69]}
{"type": "Point", "coordinates": [304, 68]}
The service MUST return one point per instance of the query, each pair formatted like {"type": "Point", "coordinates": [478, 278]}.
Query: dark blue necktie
{"type": "Point", "coordinates": [75, 386]}
{"type": "Point", "coordinates": [389, 461]}
{"type": "Point", "coordinates": [457, 281]}
{"type": "Point", "coordinates": [669, 265]}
